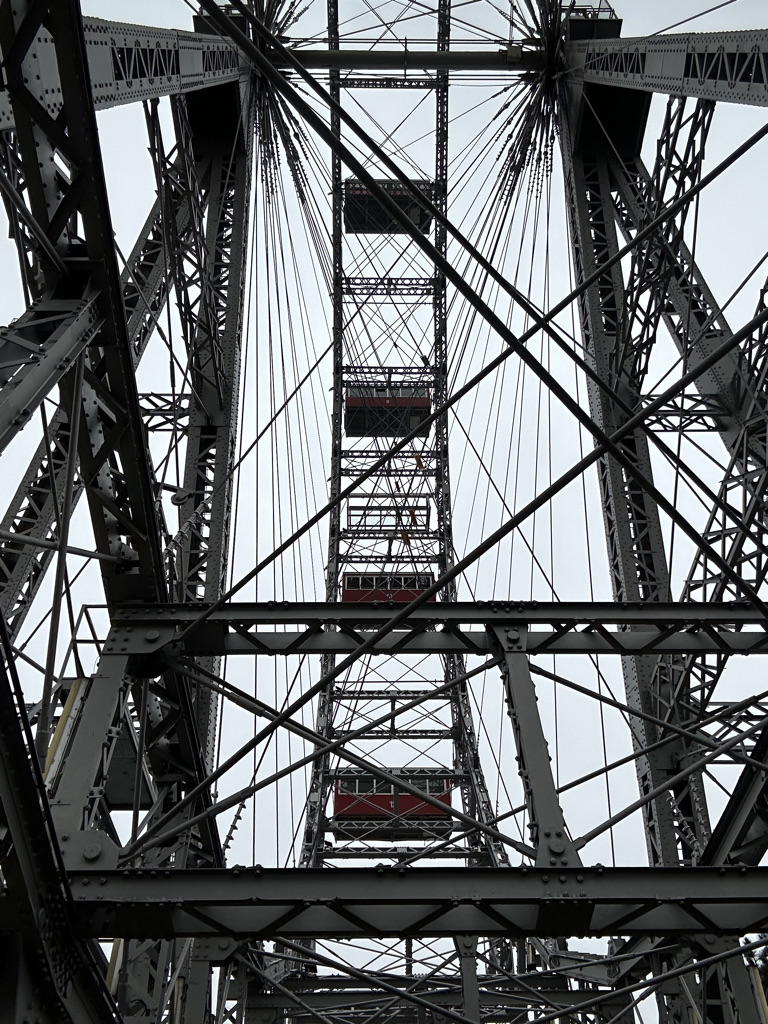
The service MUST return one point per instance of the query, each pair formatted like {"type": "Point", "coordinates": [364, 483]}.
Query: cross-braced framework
{"type": "Point", "coordinates": [329, 704]}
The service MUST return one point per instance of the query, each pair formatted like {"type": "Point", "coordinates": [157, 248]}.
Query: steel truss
{"type": "Point", "coordinates": [116, 900]}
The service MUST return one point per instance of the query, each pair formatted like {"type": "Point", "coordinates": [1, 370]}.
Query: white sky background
{"type": "Point", "coordinates": [733, 225]}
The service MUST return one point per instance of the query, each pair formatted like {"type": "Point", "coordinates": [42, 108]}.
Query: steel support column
{"type": "Point", "coordinates": [676, 825]}
{"type": "Point", "coordinates": [31, 515]}
{"type": "Point", "coordinates": [676, 822]}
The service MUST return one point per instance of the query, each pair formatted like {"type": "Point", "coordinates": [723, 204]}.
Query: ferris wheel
{"type": "Point", "coordinates": [385, 518]}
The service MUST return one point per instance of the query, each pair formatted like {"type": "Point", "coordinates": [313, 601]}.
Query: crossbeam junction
{"type": "Point", "coordinates": [346, 903]}
{"type": "Point", "coordinates": [283, 628]}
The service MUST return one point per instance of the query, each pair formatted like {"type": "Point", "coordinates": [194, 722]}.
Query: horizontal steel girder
{"type": "Point", "coordinates": [730, 67]}
{"type": "Point", "coordinates": [130, 63]}
{"type": "Point", "coordinates": [513, 58]}
{"type": "Point", "coordinates": [567, 627]}
{"type": "Point", "coordinates": [490, 999]}
{"type": "Point", "coordinates": [369, 902]}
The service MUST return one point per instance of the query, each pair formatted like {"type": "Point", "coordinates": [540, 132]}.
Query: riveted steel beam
{"type": "Point", "coordinates": [512, 58]}
{"type": "Point", "coordinates": [444, 628]}
{"type": "Point", "coordinates": [131, 63]}
{"type": "Point", "coordinates": [38, 350]}
{"type": "Point", "coordinates": [730, 67]}
{"type": "Point", "coordinates": [46, 973]}
{"type": "Point", "coordinates": [359, 902]}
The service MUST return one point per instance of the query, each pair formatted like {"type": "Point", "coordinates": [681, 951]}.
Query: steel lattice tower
{"type": "Point", "coordinates": [438, 867]}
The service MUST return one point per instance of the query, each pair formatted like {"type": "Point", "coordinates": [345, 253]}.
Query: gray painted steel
{"type": "Point", "coordinates": [146, 720]}
{"type": "Point", "coordinates": [129, 63]}
{"type": "Point", "coordinates": [730, 67]}
{"type": "Point", "coordinates": [350, 902]}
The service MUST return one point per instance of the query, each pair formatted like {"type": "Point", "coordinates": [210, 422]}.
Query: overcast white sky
{"type": "Point", "coordinates": [732, 232]}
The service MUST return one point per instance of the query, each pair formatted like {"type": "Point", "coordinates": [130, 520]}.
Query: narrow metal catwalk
{"type": "Point", "coordinates": [402, 663]}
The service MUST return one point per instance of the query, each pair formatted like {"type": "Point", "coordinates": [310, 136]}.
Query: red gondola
{"type": "Point", "coordinates": [398, 587]}
{"type": "Point", "coordinates": [367, 806]}
{"type": "Point", "coordinates": [386, 410]}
